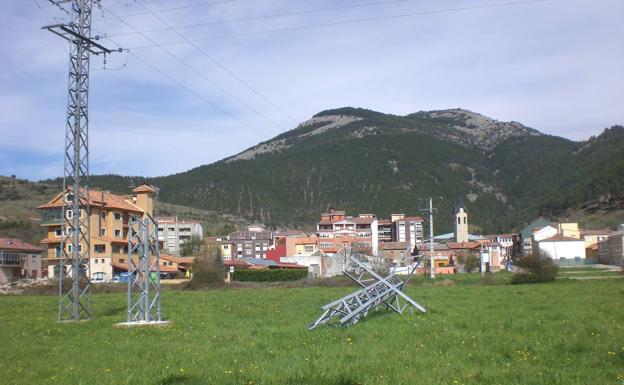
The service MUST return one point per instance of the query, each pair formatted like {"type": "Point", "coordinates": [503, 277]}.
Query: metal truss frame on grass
{"type": "Point", "coordinates": [143, 271]}
{"type": "Point", "coordinates": [388, 291]}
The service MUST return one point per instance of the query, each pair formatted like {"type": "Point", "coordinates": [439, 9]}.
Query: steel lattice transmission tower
{"type": "Point", "coordinates": [74, 284]}
{"type": "Point", "coordinates": [143, 272]}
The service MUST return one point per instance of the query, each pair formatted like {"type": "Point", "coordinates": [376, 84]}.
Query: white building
{"type": "Point", "coordinates": [173, 233]}
{"type": "Point", "coordinates": [563, 250]}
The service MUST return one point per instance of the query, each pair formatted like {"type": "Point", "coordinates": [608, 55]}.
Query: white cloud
{"type": "Point", "coordinates": [553, 65]}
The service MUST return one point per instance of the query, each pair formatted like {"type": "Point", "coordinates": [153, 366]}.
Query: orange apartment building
{"type": "Point", "coordinates": [108, 222]}
{"type": "Point", "coordinates": [336, 230]}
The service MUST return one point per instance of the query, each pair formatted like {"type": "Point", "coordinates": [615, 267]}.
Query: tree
{"type": "Point", "coordinates": [469, 261]}
{"type": "Point", "coordinates": [535, 269]}
{"type": "Point", "coordinates": [208, 269]}
{"type": "Point", "coordinates": [191, 247]}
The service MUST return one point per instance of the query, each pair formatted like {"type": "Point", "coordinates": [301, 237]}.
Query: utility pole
{"type": "Point", "coordinates": [431, 210]}
{"type": "Point", "coordinates": [74, 280]}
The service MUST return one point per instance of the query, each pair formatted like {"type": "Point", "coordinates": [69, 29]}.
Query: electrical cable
{"type": "Point", "coordinates": [262, 17]}
{"type": "Point", "coordinates": [229, 72]}
{"type": "Point", "coordinates": [353, 21]}
{"type": "Point", "coordinates": [200, 74]}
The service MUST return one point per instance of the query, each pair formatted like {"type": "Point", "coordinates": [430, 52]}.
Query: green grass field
{"type": "Point", "coordinates": [567, 332]}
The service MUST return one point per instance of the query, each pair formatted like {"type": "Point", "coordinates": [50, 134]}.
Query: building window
{"type": "Point", "coordinates": [122, 260]}
{"type": "Point", "coordinates": [69, 214]}
{"type": "Point", "coordinates": [95, 261]}
{"type": "Point", "coordinates": [69, 248]}
{"type": "Point", "coordinates": [58, 251]}
{"type": "Point", "coordinates": [309, 248]}
{"type": "Point", "coordinates": [102, 260]}
{"type": "Point", "coordinates": [171, 229]}
{"type": "Point", "coordinates": [99, 248]}
{"type": "Point", "coordinates": [226, 247]}
{"type": "Point", "coordinates": [58, 232]}
{"type": "Point", "coordinates": [102, 232]}
{"type": "Point", "coordinates": [458, 220]}
{"type": "Point", "coordinates": [103, 214]}
{"type": "Point", "coordinates": [117, 233]}
{"type": "Point", "coordinates": [33, 258]}
{"type": "Point", "coordinates": [117, 216]}
{"type": "Point", "coordinates": [465, 220]}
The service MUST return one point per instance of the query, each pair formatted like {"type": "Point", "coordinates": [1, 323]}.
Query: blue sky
{"type": "Point", "coordinates": [554, 65]}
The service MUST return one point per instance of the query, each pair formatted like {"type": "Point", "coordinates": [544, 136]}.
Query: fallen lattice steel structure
{"type": "Point", "coordinates": [376, 291]}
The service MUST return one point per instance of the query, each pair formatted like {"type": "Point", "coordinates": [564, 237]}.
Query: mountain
{"type": "Point", "coordinates": [366, 161]}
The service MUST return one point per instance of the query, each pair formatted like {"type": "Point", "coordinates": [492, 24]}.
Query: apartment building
{"type": "Point", "coordinates": [337, 230]}
{"type": "Point", "coordinates": [407, 229]}
{"type": "Point", "coordinates": [19, 260]}
{"type": "Point", "coordinates": [108, 221]}
{"type": "Point", "coordinates": [253, 244]}
{"type": "Point", "coordinates": [173, 233]}
{"type": "Point", "coordinates": [384, 230]}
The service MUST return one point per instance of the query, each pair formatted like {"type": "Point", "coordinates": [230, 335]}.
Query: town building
{"type": "Point", "coordinates": [407, 229]}
{"type": "Point", "coordinates": [565, 251]}
{"type": "Point", "coordinates": [461, 222]}
{"type": "Point", "coordinates": [614, 246]}
{"type": "Point", "coordinates": [319, 264]}
{"type": "Point", "coordinates": [527, 232]}
{"type": "Point", "coordinates": [337, 230]}
{"type": "Point", "coordinates": [569, 229]}
{"type": "Point", "coordinates": [19, 260]}
{"type": "Point", "coordinates": [395, 250]}
{"type": "Point", "coordinates": [108, 221]}
{"type": "Point", "coordinates": [253, 244]}
{"type": "Point", "coordinates": [173, 233]}
{"type": "Point", "coordinates": [223, 243]}
{"type": "Point", "coordinates": [384, 230]}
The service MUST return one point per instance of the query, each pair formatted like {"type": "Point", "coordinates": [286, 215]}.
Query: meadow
{"type": "Point", "coordinates": [566, 332]}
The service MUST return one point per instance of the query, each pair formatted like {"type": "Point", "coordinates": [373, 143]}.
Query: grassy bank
{"type": "Point", "coordinates": [568, 332]}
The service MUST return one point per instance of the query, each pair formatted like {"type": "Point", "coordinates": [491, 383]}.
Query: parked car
{"type": "Point", "coordinates": [98, 277]}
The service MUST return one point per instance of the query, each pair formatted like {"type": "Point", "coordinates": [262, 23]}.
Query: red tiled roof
{"type": "Point", "coordinates": [415, 219]}
{"type": "Point", "coordinates": [236, 263]}
{"type": "Point", "coordinates": [18, 245]}
{"type": "Point", "coordinates": [144, 188]}
{"type": "Point", "coordinates": [110, 201]}
{"type": "Point", "coordinates": [393, 245]}
{"type": "Point", "coordinates": [596, 232]}
{"type": "Point", "coordinates": [463, 245]}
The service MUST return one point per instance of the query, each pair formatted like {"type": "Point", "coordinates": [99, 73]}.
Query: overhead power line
{"type": "Point", "coordinates": [196, 94]}
{"type": "Point", "coordinates": [198, 73]}
{"type": "Point", "coordinates": [263, 17]}
{"type": "Point", "coordinates": [204, 4]}
{"type": "Point", "coordinates": [217, 63]}
{"type": "Point", "coordinates": [352, 21]}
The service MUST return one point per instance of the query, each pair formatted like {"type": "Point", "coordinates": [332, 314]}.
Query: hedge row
{"type": "Point", "coordinates": [270, 275]}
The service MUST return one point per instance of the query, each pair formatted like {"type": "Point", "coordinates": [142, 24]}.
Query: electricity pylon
{"type": "Point", "coordinates": [74, 281]}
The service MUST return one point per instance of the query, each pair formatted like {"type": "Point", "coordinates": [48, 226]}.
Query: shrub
{"type": "Point", "coordinates": [535, 269]}
{"type": "Point", "coordinates": [471, 263]}
{"type": "Point", "coordinates": [270, 275]}
{"type": "Point", "coordinates": [207, 269]}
